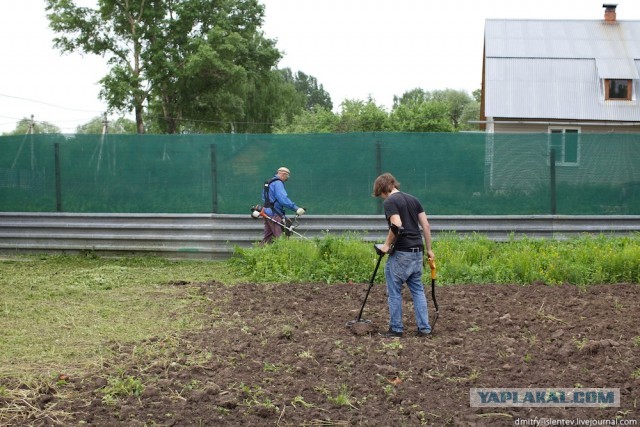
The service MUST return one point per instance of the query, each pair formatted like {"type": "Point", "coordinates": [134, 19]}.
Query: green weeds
{"type": "Point", "coordinates": [343, 398]}
{"type": "Point", "coordinates": [121, 387]}
{"type": "Point", "coordinates": [475, 259]}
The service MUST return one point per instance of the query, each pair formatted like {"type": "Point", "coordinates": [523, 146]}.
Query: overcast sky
{"type": "Point", "coordinates": [354, 48]}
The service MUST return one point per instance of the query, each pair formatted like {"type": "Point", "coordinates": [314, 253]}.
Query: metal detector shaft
{"type": "Point", "coordinates": [373, 278]}
{"type": "Point", "coordinates": [432, 265]}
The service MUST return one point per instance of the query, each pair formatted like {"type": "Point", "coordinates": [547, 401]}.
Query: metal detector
{"type": "Point", "coordinates": [378, 248]}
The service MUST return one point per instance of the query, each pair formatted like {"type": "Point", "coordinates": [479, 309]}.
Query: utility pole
{"type": "Point", "coordinates": [105, 125]}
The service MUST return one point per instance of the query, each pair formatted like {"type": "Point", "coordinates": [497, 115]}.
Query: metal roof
{"type": "Point", "coordinates": [555, 68]}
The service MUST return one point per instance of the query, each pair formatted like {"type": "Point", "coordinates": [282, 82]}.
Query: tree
{"type": "Point", "coordinates": [477, 95]}
{"type": "Point", "coordinates": [199, 59]}
{"type": "Point", "coordinates": [314, 94]}
{"type": "Point", "coordinates": [455, 100]}
{"type": "Point", "coordinates": [317, 120]}
{"type": "Point", "coordinates": [96, 126]}
{"type": "Point", "coordinates": [413, 96]}
{"type": "Point", "coordinates": [26, 126]}
{"type": "Point", "coordinates": [471, 112]}
{"type": "Point", "coordinates": [430, 116]}
{"type": "Point", "coordinates": [361, 116]}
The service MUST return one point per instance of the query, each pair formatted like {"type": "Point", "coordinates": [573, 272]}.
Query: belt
{"type": "Point", "coordinates": [416, 249]}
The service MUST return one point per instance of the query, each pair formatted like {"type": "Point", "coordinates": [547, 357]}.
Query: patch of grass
{"type": "Point", "coordinates": [461, 259]}
{"type": "Point", "coordinates": [270, 367]}
{"type": "Point", "coordinates": [473, 376]}
{"type": "Point", "coordinates": [580, 343]}
{"type": "Point", "coordinates": [473, 328]}
{"type": "Point", "coordinates": [299, 400]}
{"type": "Point", "coordinates": [121, 387]}
{"type": "Point", "coordinates": [343, 398]}
{"type": "Point", "coordinates": [306, 354]}
{"type": "Point", "coordinates": [68, 313]}
{"type": "Point", "coordinates": [255, 396]}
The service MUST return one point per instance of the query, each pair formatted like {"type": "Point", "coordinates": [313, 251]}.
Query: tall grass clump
{"type": "Point", "coordinates": [329, 259]}
{"type": "Point", "coordinates": [582, 260]}
{"type": "Point", "coordinates": [474, 259]}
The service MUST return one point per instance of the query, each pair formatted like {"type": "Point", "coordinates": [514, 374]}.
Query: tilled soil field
{"type": "Point", "coordinates": [282, 355]}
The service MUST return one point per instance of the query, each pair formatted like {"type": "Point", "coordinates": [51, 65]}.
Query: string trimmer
{"type": "Point", "coordinates": [288, 226]}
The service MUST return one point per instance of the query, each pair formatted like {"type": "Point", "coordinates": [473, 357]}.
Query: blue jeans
{"type": "Point", "coordinates": [406, 267]}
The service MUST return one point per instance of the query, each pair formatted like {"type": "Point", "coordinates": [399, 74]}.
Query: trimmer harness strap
{"type": "Point", "coordinates": [267, 201]}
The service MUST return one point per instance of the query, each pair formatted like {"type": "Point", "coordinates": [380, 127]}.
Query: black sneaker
{"type": "Point", "coordinates": [423, 333]}
{"type": "Point", "coordinates": [392, 334]}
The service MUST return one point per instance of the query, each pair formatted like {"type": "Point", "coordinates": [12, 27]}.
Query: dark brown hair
{"type": "Point", "coordinates": [385, 183]}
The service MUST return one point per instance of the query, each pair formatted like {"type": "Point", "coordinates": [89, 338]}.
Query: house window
{"type": "Point", "coordinates": [566, 143]}
{"type": "Point", "coordinates": [617, 89]}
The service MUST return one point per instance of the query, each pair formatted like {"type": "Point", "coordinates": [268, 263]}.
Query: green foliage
{"type": "Point", "coordinates": [314, 95]}
{"type": "Point", "coordinates": [193, 58]}
{"type": "Point", "coordinates": [26, 126]}
{"type": "Point", "coordinates": [361, 116]}
{"type": "Point", "coordinates": [121, 387]}
{"type": "Point", "coordinates": [424, 117]}
{"type": "Point", "coordinates": [95, 126]}
{"type": "Point", "coordinates": [415, 111]}
{"type": "Point", "coordinates": [317, 120]}
{"type": "Point", "coordinates": [445, 110]}
{"type": "Point", "coordinates": [330, 259]}
{"type": "Point", "coordinates": [475, 259]}
{"type": "Point", "coordinates": [581, 261]}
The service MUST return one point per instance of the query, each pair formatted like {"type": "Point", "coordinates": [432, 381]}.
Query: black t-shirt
{"type": "Point", "coordinates": [408, 207]}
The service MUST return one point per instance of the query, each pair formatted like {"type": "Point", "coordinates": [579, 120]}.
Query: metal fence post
{"type": "Point", "coordinates": [552, 180]}
{"type": "Point", "coordinates": [378, 173]}
{"type": "Point", "coordinates": [56, 150]}
{"type": "Point", "coordinates": [214, 180]}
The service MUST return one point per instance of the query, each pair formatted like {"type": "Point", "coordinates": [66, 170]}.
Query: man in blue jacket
{"type": "Point", "coordinates": [275, 200]}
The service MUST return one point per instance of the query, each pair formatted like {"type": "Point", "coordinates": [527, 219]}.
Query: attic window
{"type": "Point", "coordinates": [617, 89]}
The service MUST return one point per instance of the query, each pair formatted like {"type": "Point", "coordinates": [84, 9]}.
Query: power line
{"type": "Point", "coordinates": [49, 104]}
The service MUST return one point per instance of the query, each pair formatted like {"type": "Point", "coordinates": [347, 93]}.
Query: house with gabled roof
{"type": "Point", "coordinates": [579, 75]}
{"type": "Point", "coordinates": [573, 80]}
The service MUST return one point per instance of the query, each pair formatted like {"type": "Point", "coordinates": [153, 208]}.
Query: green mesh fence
{"type": "Point", "coordinates": [453, 174]}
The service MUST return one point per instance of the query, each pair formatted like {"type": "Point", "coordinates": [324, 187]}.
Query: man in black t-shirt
{"type": "Point", "coordinates": [408, 224]}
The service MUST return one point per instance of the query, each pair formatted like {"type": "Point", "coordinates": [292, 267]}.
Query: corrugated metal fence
{"type": "Point", "coordinates": [214, 236]}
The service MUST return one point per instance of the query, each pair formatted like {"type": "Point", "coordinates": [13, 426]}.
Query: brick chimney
{"type": "Point", "coordinates": [609, 13]}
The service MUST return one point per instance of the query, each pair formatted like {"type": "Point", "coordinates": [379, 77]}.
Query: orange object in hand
{"type": "Point", "coordinates": [432, 265]}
